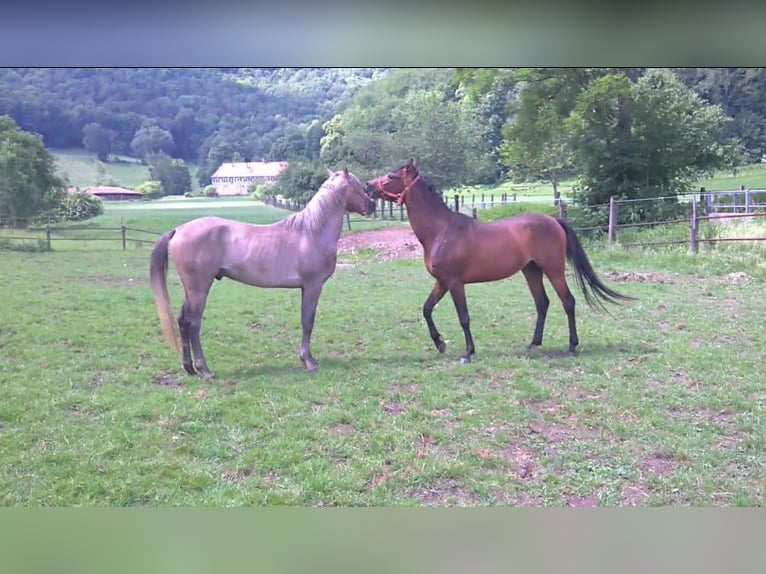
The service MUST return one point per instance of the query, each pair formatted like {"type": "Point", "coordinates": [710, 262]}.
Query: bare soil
{"type": "Point", "coordinates": [389, 243]}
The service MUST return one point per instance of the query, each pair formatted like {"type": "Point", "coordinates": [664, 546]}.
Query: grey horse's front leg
{"type": "Point", "coordinates": [309, 300]}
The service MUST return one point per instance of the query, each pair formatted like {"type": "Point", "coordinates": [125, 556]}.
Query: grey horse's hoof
{"type": "Point", "coordinates": [465, 360]}
{"type": "Point", "coordinates": [442, 346]}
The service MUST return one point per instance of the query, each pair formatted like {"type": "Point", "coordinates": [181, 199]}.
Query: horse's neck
{"type": "Point", "coordinates": [427, 214]}
{"type": "Point", "coordinates": [323, 217]}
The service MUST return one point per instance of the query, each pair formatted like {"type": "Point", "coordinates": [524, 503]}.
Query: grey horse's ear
{"type": "Point", "coordinates": [330, 172]}
{"type": "Point", "coordinates": [345, 171]}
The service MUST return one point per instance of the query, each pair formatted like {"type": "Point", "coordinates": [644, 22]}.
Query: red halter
{"type": "Point", "coordinates": [398, 197]}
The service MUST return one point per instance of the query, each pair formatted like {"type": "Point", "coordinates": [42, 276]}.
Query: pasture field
{"type": "Point", "coordinates": [80, 167]}
{"type": "Point", "coordinates": [664, 405]}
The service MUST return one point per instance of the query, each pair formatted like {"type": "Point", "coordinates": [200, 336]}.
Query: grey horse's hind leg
{"type": "Point", "coordinates": [183, 327]}
{"type": "Point", "coordinates": [195, 305]}
{"type": "Point", "coordinates": [309, 301]}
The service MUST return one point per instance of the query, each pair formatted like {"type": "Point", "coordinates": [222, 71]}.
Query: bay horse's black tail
{"type": "Point", "coordinates": [158, 271]}
{"type": "Point", "coordinates": [591, 286]}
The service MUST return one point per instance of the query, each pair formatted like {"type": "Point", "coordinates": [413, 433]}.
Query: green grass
{"type": "Point", "coordinates": [80, 167]}
{"type": "Point", "coordinates": [751, 176]}
{"type": "Point", "coordinates": [663, 406]}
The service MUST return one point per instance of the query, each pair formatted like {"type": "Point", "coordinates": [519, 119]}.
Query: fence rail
{"type": "Point", "coordinates": [700, 208]}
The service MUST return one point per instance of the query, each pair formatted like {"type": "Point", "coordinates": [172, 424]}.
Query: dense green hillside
{"type": "Point", "coordinates": [209, 113]}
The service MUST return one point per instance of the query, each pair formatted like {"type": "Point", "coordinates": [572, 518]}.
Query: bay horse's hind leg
{"type": "Point", "coordinates": [559, 283]}
{"type": "Point", "coordinates": [309, 300]}
{"type": "Point", "coordinates": [457, 291]}
{"type": "Point", "coordinates": [436, 295]}
{"type": "Point", "coordinates": [534, 276]}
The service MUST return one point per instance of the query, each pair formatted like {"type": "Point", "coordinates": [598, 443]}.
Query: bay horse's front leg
{"type": "Point", "coordinates": [457, 291]}
{"type": "Point", "coordinates": [309, 301]}
{"type": "Point", "coordinates": [436, 295]}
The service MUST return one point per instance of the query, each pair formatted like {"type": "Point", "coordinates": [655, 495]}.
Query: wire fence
{"type": "Point", "coordinates": [687, 212]}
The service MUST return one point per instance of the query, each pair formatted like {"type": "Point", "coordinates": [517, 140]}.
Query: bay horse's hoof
{"type": "Point", "coordinates": [465, 360]}
{"type": "Point", "coordinates": [310, 365]}
{"type": "Point", "coordinates": [442, 346]}
{"type": "Point", "coordinates": [207, 375]}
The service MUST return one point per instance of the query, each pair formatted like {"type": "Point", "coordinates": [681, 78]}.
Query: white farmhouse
{"type": "Point", "coordinates": [234, 178]}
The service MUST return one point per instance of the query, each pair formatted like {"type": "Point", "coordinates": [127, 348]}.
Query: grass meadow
{"type": "Point", "coordinates": [664, 405]}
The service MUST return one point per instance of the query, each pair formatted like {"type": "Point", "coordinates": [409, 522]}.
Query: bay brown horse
{"type": "Point", "coordinates": [459, 249]}
{"type": "Point", "coordinates": [298, 252]}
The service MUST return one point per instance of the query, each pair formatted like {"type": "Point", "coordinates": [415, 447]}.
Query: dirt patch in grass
{"type": "Point", "coordinates": [522, 460]}
{"type": "Point", "coordinates": [389, 243]}
{"type": "Point", "coordinates": [236, 476]}
{"type": "Point", "coordinates": [98, 380]}
{"type": "Point", "coordinates": [392, 408]}
{"type": "Point", "coordinates": [638, 277]}
{"type": "Point", "coordinates": [583, 501]}
{"type": "Point", "coordinates": [721, 420]}
{"type": "Point", "coordinates": [657, 464]}
{"type": "Point", "coordinates": [341, 429]}
{"type": "Point", "coordinates": [444, 492]}
{"type": "Point", "coordinates": [168, 380]}
{"type": "Point", "coordinates": [634, 494]}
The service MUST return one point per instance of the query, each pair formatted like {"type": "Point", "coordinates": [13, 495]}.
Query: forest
{"type": "Point", "coordinates": [619, 131]}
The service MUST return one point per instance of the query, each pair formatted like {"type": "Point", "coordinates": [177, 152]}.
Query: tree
{"type": "Point", "coordinates": [151, 189]}
{"type": "Point", "coordinates": [300, 181]}
{"type": "Point", "coordinates": [98, 139]}
{"type": "Point", "coordinates": [650, 138]}
{"type": "Point", "coordinates": [29, 185]}
{"type": "Point", "coordinates": [150, 140]}
{"type": "Point", "coordinates": [445, 137]}
{"type": "Point", "coordinates": [173, 174]}
{"type": "Point", "coordinates": [536, 143]}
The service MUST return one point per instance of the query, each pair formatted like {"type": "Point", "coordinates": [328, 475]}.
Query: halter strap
{"type": "Point", "coordinates": [398, 197]}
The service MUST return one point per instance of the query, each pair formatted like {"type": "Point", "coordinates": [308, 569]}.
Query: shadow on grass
{"type": "Point", "coordinates": [339, 365]}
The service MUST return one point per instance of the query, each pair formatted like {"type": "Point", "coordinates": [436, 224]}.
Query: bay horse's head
{"type": "Point", "coordinates": [356, 198]}
{"type": "Point", "coordinates": [394, 185]}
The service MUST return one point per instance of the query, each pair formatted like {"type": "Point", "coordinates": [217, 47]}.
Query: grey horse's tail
{"type": "Point", "coordinates": [158, 272]}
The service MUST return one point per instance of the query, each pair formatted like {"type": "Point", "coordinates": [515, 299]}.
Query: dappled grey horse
{"type": "Point", "coordinates": [299, 251]}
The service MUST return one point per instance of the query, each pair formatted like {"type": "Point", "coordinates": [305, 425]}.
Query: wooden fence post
{"type": "Point", "coordinates": [401, 212]}
{"type": "Point", "coordinates": [48, 236]}
{"type": "Point", "coordinates": [612, 233]}
{"type": "Point", "coordinates": [694, 229]}
{"type": "Point", "coordinates": [562, 210]}
{"type": "Point", "coordinates": [475, 213]}
{"type": "Point", "coordinates": [123, 231]}
{"type": "Point", "coordinates": [348, 220]}
{"type": "Point", "coordinates": [457, 203]}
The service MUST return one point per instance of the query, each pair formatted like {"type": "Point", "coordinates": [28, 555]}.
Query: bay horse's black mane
{"type": "Point", "coordinates": [431, 187]}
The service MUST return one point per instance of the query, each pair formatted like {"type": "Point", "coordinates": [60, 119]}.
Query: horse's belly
{"type": "Point", "coordinates": [267, 274]}
{"type": "Point", "coordinates": [483, 268]}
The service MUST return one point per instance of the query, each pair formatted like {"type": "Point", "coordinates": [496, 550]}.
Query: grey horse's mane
{"type": "Point", "coordinates": [327, 201]}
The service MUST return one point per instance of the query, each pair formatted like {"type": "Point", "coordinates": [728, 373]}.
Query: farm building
{"type": "Point", "coordinates": [235, 178]}
{"type": "Point", "coordinates": [109, 193]}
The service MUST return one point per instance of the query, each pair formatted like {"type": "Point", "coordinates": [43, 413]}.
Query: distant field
{"type": "Point", "coordinates": [80, 167]}
{"type": "Point", "coordinates": [751, 176]}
